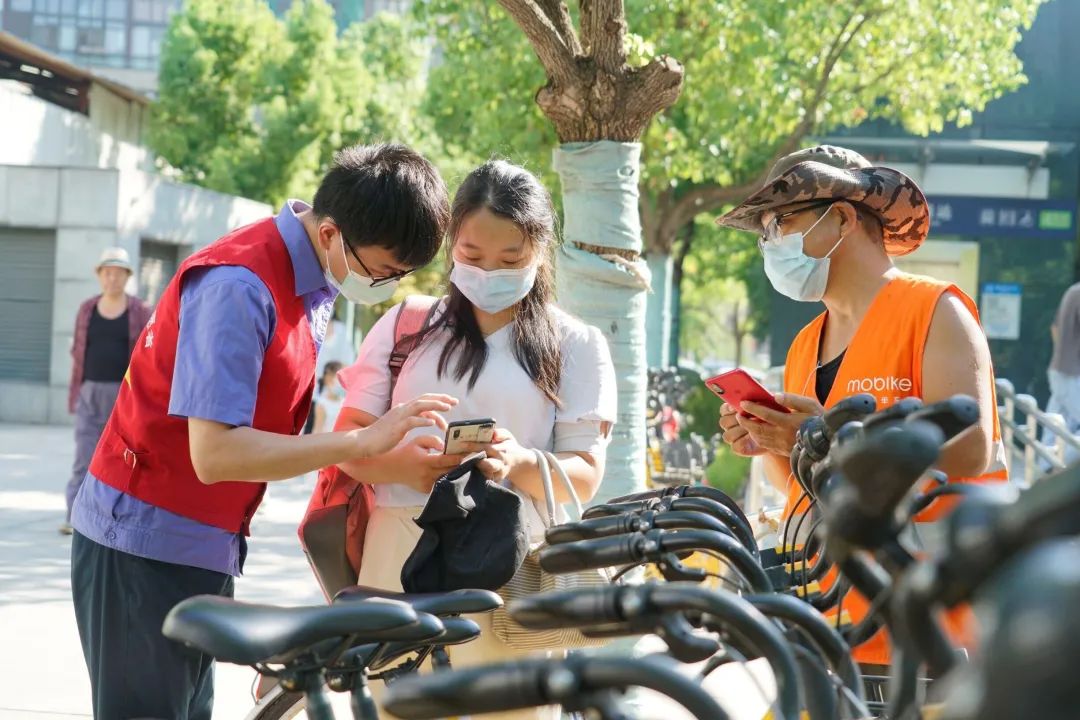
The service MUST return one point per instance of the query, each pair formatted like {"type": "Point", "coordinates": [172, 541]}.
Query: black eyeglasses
{"type": "Point", "coordinates": [375, 282]}
{"type": "Point", "coordinates": [773, 228]}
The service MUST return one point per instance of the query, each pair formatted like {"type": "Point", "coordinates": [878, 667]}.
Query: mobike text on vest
{"type": "Point", "coordinates": [887, 389]}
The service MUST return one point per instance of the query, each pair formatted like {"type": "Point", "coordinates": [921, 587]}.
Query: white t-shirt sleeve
{"type": "Point", "coordinates": [587, 391]}
{"type": "Point", "coordinates": [367, 381]}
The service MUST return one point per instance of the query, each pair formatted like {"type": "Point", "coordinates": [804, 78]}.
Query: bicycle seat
{"type": "Point", "coordinates": [246, 633]}
{"type": "Point", "coordinates": [454, 602]}
{"type": "Point", "coordinates": [458, 631]}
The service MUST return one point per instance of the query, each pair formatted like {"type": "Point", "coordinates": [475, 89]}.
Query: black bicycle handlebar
{"type": "Point", "coordinates": [736, 522]}
{"type": "Point", "coordinates": [651, 547]}
{"type": "Point", "coordinates": [952, 416]}
{"type": "Point", "coordinates": [816, 433]}
{"type": "Point", "coordinates": [688, 491]}
{"type": "Point", "coordinates": [535, 683]}
{"type": "Point", "coordinates": [883, 467]}
{"type": "Point", "coordinates": [656, 603]}
{"type": "Point", "coordinates": [811, 438]}
{"type": "Point", "coordinates": [804, 472]}
{"type": "Point", "coordinates": [632, 523]}
{"type": "Point", "coordinates": [596, 527]}
{"type": "Point", "coordinates": [738, 619]}
{"type": "Point", "coordinates": [917, 624]}
{"type": "Point", "coordinates": [579, 608]}
{"type": "Point", "coordinates": [848, 410]}
{"type": "Point", "coordinates": [849, 432]}
{"type": "Point", "coordinates": [828, 641]}
{"type": "Point", "coordinates": [893, 413]}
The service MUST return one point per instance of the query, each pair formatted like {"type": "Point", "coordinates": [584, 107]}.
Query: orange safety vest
{"type": "Point", "coordinates": [885, 359]}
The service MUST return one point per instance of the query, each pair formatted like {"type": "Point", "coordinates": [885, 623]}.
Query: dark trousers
{"type": "Point", "coordinates": [121, 601]}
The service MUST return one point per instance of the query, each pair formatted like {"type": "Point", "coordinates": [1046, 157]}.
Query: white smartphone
{"type": "Point", "coordinates": [467, 431]}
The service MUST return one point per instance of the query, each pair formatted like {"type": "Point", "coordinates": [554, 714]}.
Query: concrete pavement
{"type": "Point", "coordinates": [42, 672]}
{"type": "Point", "coordinates": [41, 663]}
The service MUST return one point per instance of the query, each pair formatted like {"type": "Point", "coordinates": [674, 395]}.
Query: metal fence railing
{"type": "Point", "coordinates": [1038, 442]}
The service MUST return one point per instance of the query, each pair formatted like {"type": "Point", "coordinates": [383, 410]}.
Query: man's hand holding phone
{"type": "Point", "coordinates": [735, 435]}
{"type": "Point", "coordinates": [421, 461]}
{"type": "Point", "coordinates": [768, 430]}
{"type": "Point", "coordinates": [753, 420]}
{"type": "Point", "coordinates": [737, 387]}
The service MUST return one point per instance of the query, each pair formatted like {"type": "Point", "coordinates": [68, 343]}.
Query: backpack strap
{"type": "Point", "coordinates": [414, 317]}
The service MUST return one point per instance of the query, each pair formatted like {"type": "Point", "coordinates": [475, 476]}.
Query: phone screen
{"type": "Point", "coordinates": [467, 431]}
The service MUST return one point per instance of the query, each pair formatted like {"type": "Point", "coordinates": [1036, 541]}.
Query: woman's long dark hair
{"type": "Point", "coordinates": [510, 192]}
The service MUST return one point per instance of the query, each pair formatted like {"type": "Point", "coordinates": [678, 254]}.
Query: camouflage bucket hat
{"type": "Point", "coordinates": [827, 172]}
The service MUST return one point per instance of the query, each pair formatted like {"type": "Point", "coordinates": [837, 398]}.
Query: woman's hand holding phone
{"type": "Point", "coordinates": [504, 455]}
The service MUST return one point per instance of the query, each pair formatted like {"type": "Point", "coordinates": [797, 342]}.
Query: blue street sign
{"type": "Point", "coordinates": [1004, 217]}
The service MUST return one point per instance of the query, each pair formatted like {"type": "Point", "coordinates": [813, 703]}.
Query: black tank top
{"type": "Point", "coordinates": [826, 376]}
{"type": "Point", "coordinates": [108, 348]}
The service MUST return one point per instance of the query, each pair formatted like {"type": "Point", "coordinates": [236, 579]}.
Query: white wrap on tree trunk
{"type": "Point", "coordinates": [600, 202]}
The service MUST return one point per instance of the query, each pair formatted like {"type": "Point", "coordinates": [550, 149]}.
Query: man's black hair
{"type": "Point", "coordinates": [387, 196]}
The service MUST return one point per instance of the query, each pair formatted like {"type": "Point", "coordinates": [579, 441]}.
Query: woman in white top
{"type": "Point", "coordinates": [498, 345]}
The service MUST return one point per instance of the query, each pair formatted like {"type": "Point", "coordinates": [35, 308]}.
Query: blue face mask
{"type": "Point", "coordinates": [493, 290]}
{"type": "Point", "coordinates": [794, 273]}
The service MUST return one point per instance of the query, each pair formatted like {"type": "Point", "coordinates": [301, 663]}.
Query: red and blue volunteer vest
{"type": "Point", "coordinates": [144, 451]}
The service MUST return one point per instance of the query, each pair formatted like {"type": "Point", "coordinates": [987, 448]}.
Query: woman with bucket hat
{"type": "Point", "coordinates": [106, 328]}
{"type": "Point", "coordinates": [829, 224]}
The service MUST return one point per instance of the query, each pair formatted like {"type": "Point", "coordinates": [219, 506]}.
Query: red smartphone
{"type": "Point", "coordinates": [736, 386]}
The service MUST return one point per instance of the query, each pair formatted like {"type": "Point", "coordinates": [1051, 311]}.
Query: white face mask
{"type": "Point", "coordinates": [355, 287]}
{"type": "Point", "coordinates": [493, 290]}
{"type": "Point", "coordinates": [794, 273]}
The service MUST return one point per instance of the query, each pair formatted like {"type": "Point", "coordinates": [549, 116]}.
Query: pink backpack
{"type": "Point", "coordinates": [333, 528]}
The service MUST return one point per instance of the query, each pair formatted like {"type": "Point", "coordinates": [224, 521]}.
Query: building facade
{"type": "Point", "coordinates": [121, 39]}
{"type": "Point", "coordinates": [117, 39]}
{"type": "Point", "coordinates": [75, 178]}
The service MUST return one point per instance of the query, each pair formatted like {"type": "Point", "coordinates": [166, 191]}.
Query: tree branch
{"type": "Point", "coordinates": [559, 15]}
{"type": "Point", "coordinates": [705, 198]}
{"type": "Point", "coordinates": [547, 43]}
{"type": "Point", "coordinates": [653, 209]}
{"type": "Point", "coordinates": [686, 245]}
{"type": "Point", "coordinates": [711, 197]}
{"type": "Point", "coordinates": [659, 87]}
{"type": "Point", "coordinates": [881, 76]}
{"type": "Point", "coordinates": [603, 31]}
{"type": "Point", "coordinates": [836, 51]}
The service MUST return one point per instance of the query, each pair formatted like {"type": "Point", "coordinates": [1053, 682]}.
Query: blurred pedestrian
{"type": "Point", "coordinates": [329, 399]}
{"type": "Point", "coordinates": [106, 328]}
{"type": "Point", "coordinates": [1064, 370]}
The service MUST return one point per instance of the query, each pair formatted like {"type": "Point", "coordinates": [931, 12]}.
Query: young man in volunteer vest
{"type": "Point", "coordinates": [829, 225]}
{"type": "Point", "coordinates": [210, 408]}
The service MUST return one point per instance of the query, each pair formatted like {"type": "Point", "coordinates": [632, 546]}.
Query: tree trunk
{"type": "Point", "coordinates": [607, 289]}
{"type": "Point", "coordinates": [660, 307]}
{"type": "Point", "coordinates": [737, 334]}
{"type": "Point", "coordinates": [600, 106]}
{"type": "Point", "coordinates": [675, 343]}
{"type": "Point", "coordinates": [676, 292]}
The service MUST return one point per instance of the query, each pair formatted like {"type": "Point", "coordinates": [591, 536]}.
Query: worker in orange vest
{"type": "Point", "coordinates": [829, 224]}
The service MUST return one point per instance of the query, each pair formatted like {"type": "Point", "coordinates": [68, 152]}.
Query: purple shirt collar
{"type": "Point", "coordinates": [306, 267]}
